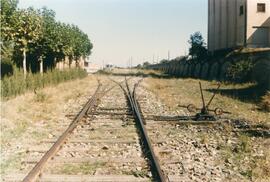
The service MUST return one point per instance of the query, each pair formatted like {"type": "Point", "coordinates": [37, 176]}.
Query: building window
{"type": "Point", "coordinates": [261, 7]}
{"type": "Point", "coordinates": [241, 10]}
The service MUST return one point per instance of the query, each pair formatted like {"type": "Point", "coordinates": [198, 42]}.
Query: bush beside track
{"type": "Point", "coordinates": [16, 84]}
{"type": "Point", "coordinates": [237, 67]}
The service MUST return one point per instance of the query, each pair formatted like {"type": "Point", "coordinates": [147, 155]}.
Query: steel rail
{"type": "Point", "coordinates": [35, 172]}
{"type": "Point", "coordinates": [155, 162]}
{"type": "Point", "coordinates": [155, 165]}
{"type": "Point", "coordinates": [92, 102]}
{"type": "Point", "coordinates": [119, 83]}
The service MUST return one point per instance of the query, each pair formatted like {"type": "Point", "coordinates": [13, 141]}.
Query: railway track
{"type": "Point", "coordinates": [121, 134]}
{"type": "Point", "coordinates": [108, 140]}
{"type": "Point", "coordinates": [101, 144]}
{"type": "Point", "coordinates": [154, 162]}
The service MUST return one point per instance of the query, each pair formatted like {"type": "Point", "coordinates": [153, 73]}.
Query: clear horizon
{"type": "Point", "coordinates": [141, 30]}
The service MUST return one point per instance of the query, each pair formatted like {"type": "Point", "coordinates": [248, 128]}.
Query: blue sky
{"type": "Point", "coordinates": [141, 29]}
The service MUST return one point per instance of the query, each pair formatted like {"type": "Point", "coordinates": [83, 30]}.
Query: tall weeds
{"type": "Point", "coordinates": [16, 84]}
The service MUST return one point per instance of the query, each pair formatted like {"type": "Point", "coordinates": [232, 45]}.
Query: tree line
{"type": "Point", "coordinates": [197, 52]}
{"type": "Point", "coordinates": [32, 39]}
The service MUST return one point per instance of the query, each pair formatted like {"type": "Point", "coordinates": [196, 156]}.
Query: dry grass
{"type": "Point", "coordinates": [175, 92]}
{"type": "Point", "coordinates": [84, 168]}
{"type": "Point", "coordinates": [204, 139]}
{"type": "Point", "coordinates": [132, 72]}
{"type": "Point", "coordinates": [28, 118]}
{"type": "Point", "coordinates": [15, 84]}
{"type": "Point", "coordinates": [244, 156]}
{"type": "Point", "coordinates": [261, 169]}
{"type": "Point", "coordinates": [143, 173]}
{"type": "Point", "coordinates": [265, 103]}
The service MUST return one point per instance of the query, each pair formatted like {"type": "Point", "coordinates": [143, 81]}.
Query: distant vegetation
{"type": "Point", "coordinates": [33, 40]}
{"type": "Point", "coordinates": [16, 84]}
{"type": "Point", "coordinates": [197, 52]}
{"type": "Point", "coordinates": [237, 72]}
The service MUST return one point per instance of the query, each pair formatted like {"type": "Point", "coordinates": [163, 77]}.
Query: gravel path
{"type": "Point", "coordinates": [195, 149]}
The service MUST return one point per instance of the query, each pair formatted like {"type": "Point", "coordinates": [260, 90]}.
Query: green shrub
{"type": "Point", "coordinates": [6, 68]}
{"type": "Point", "coordinates": [240, 71]}
{"type": "Point", "coordinates": [16, 84]}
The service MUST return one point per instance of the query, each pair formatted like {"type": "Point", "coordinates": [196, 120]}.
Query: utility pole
{"type": "Point", "coordinates": [128, 63]}
{"type": "Point", "coordinates": [153, 58]}
{"type": "Point", "coordinates": [168, 55]}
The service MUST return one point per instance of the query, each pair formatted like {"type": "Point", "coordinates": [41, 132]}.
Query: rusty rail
{"type": "Point", "coordinates": [155, 162]}
{"type": "Point", "coordinates": [35, 172]}
{"type": "Point", "coordinates": [131, 97]}
{"type": "Point", "coordinates": [88, 107]}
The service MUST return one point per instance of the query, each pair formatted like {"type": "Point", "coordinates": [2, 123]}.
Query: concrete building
{"type": "Point", "coordinates": [238, 23]}
{"type": "Point", "coordinates": [66, 64]}
{"type": "Point", "coordinates": [91, 67]}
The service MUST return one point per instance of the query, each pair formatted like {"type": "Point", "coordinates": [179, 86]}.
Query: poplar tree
{"type": "Point", "coordinates": [28, 25]}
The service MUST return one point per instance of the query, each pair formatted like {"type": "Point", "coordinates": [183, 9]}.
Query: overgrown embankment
{"type": "Point", "coordinates": [16, 84]}
{"type": "Point", "coordinates": [236, 67]}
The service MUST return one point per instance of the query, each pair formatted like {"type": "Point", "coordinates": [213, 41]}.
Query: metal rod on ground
{"type": "Point", "coordinates": [208, 104]}
{"type": "Point", "coordinates": [204, 108]}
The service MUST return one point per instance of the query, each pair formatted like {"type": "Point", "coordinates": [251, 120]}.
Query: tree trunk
{"type": "Point", "coordinates": [76, 63]}
{"type": "Point", "coordinates": [41, 66]}
{"type": "Point", "coordinates": [69, 62]}
{"type": "Point", "coordinates": [24, 63]}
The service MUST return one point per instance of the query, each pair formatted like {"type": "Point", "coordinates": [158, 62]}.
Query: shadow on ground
{"type": "Point", "coordinates": [138, 74]}
{"type": "Point", "coordinates": [252, 94]}
{"type": "Point", "coordinates": [254, 130]}
{"type": "Point", "coordinates": [257, 133]}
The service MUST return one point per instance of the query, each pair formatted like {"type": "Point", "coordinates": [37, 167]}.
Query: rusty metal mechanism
{"type": "Point", "coordinates": [204, 114]}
